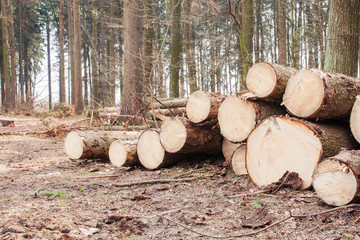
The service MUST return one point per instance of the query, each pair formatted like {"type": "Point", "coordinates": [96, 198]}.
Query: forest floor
{"type": "Point", "coordinates": [45, 195]}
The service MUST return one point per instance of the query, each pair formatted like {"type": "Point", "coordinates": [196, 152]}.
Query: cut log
{"type": "Point", "coordinates": [123, 153]}
{"type": "Point", "coordinates": [179, 135]}
{"type": "Point", "coordinates": [281, 144]}
{"type": "Point", "coordinates": [228, 149]}
{"type": "Point", "coordinates": [316, 94]}
{"type": "Point", "coordinates": [93, 144]}
{"type": "Point", "coordinates": [268, 80]}
{"type": "Point", "coordinates": [151, 153]}
{"type": "Point", "coordinates": [237, 117]}
{"type": "Point", "coordinates": [238, 160]}
{"type": "Point", "coordinates": [171, 103]}
{"type": "Point", "coordinates": [203, 106]}
{"type": "Point", "coordinates": [355, 119]}
{"type": "Point", "coordinates": [336, 179]}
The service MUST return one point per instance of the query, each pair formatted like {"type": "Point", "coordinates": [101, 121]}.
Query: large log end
{"type": "Point", "coordinates": [198, 106]}
{"type": "Point", "coordinates": [117, 153]}
{"type": "Point", "coordinates": [261, 79]}
{"type": "Point", "coordinates": [74, 145]}
{"type": "Point", "coordinates": [173, 135]}
{"type": "Point", "coordinates": [238, 160]}
{"type": "Point", "coordinates": [149, 149]}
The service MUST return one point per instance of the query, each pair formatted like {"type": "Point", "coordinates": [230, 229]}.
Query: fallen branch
{"type": "Point", "coordinates": [251, 233]}
{"type": "Point", "coordinates": [155, 181]}
{"type": "Point", "coordinates": [100, 176]}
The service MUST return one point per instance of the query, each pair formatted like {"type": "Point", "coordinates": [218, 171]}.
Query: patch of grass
{"type": "Point", "coordinates": [258, 203]}
{"type": "Point", "coordinates": [53, 194]}
{"type": "Point", "coordinates": [205, 165]}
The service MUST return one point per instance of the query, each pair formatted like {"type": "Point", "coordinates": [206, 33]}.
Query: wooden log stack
{"type": "Point", "coordinates": [254, 132]}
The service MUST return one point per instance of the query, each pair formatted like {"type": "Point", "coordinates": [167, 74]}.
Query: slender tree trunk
{"type": "Point", "coordinates": [103, 80]}
{"type": "Point", "coordinates": [71, 50]}
{"type": "Point", "coordinates": [27, 73]}
{"type": "Point", "coordinates": [148, 43]}
{"type": "Point", "coordinates": [258, 24]}
{"type": "Point", "coordinates": [2, 67]}
{"type": "Point", "coordinates": [79, 104]}
{"type": "Point", "coordinates": [48, 61]}
{"type": "Point", "coordinates": [62, 52]}
{"type": "Point", "coordinates": [12, 57]}
{"type": "Point", "coordinates": [111, 59]}
{"type": "Point", "coordinates": [212, 51]}
{"type": "Point", "coordinates": [94, 56]}
{"type": "Point", "coordinates": [175, 47]}
{"type": "Point", "coordinates": [281, 30]}
{"type": "Point", "coordinates": [190, 61]}
{"type": "Point", "coordinates": [342, 44]}
{"type": "Point", "coordinates": [5, 51]}
{"type": "Point", "coordinates": [86, 82]}
{"type": "Point", "coordinates": [133, 90]}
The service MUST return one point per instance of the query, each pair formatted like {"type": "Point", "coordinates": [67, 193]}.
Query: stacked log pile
{"type": "Point", "coordinates": [254, 132]}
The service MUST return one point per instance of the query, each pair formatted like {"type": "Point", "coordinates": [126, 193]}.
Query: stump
{"type": "Point", "coordinates": [238, 160]}
{"type": "Point", "coordinates": [228, 149]}
{"type": "Point", "coordinates": [93, 144]}
{"type": "Point", "coordinates": [268, 80]}
{"type": "Point", "coordinates": [281, 144]}
{"type": "Point", "coordinates": [123, 153]}
{"type": "Point", "coordinates": [237, 117]}
{"type": "Point", "coordinates": [151, 153]}
{"type": "Point", "coordinates": [179, 135]}
{"type": "Point", "coordinates": [336, 179]}
{"type": "Point", "coordinates": [317, 94]}
{"type": "Point", "coordinates": [203, 106]}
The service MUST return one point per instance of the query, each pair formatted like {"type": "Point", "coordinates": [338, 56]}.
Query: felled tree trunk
{"type": "Point", "coordinates": [152, 154]}
{"type": "Point", "coordinates": [238, 160]}
{"type": "Point", "coordinates": [123, 153]}
{"type": "Point", "coordinates": [336, 179]}
{"type": "Point", "coordinates": [171, 103]}
{"type": "Point", "coordinates": [93, 144]}
{"type": "Point", "coordinates": [317, 94]}
{"type": "Point", "coordinates": [203, 106]}
{"type": "Point", "coordinates": [237, 117]}
{"type": "Point", "coordinates": [228, 149]}
{"type": "Point", "coordinates": [179, 135]}
{"type": "Point", "coordinates": [281, 144]}
{"type": "Point", "coordinates": [268, 80]}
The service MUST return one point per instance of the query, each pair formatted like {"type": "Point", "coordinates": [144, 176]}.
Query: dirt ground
{"type": "Point", "coordinates": [45, 195]}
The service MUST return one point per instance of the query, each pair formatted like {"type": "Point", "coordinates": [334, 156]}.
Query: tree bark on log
{"type": "Point", "coordinates": [268, 80]}
{"type": "Point", "coordinates": [203, 106]}
{"type": "Point", "coordinates": [238, 160]}
{"type": "Point", "coordinates": [228, 149]}
{"type": "Point", "coordinates": [336, 179]}
{"type": "Point", "coordinates": [316, 94]}
{"type": "Point", "coordinates": [281, 144]}
{"type": "Point", "coordinates": [94, 144]}
{"type": "Point", "coordinates": [171, 103]}
{"type": "Point", "coordinates": [152, 154]}
{"type": "Point", "coordinates": [237, 117]}
{"type": "Point", "coordinates": [123, 153]}
{"type": "Point", "coordinates": [179, 135]}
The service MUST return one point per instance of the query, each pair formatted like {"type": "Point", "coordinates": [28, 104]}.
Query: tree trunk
{"type": "Point", "coordinates": [133, 91]}
{"type": "Point", "coordinates": [171, 103]}
{"type": "Point", "coordinates": [111, 60]}
{"type": "Point", "coordinates": [266, 80]}
{"type": "Point", "coordinates": [148, 43]}
{"type": "Point", "coordinates": [94, 56]}
{"type": "Point", "coordinates": [93, 145]}
{"type": "Point", "coordinates": [5, 51]}
{"type": "Point", "coordinates": [342, 43]}
{"type": "Point", "coordinates": [175, 47]}
{"type": "Point", "coordinates": [123, 153]}
{"type": "Point", "coordinates": [336, 179]}
{"type": "Point", "coordinates": [238, 117]}
{"type": "Point", "coordinates": [103, 80]}
{"type": "Point", "coordinates": [247, 23]}
{"type": "Point", "coordinates": [79, 104]}
{"type": "Point", "coordinates": [2, 65]}
{"type": "Point", "coordinates": [238, 160]}
{"type": "Point", "coordinates": [211, 35]}
{"type": "Point", "coordinates": [317, 94]}
{"type": "Point", "coordinates": [179, 135]}
{"type": "Point", "coordinates": [228, 148]}
{"type": "Point", "coordinates": [62, 89]}
{"type": "Point", "coordinates": [190, 61]}
{"type": "Point", "coordinates": [281, 30]}
{"type": "Point", "coordinates": [13, 80]}
{"type": "Point", "coordinates": [71, 50]}
{"type": "Point", "coordinates": [281, 144]}
{"type": "Point", "coordinates": [86, 82]}
{"type": "Point", "coordinates": [48, 60]}
{"type": "Point", "coordinates": [152, 154]}
{"type": "Point", "coordinates": [203, 106]}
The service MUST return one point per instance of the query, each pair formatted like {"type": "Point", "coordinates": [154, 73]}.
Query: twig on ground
{"type": "Point", "coordinates": [251, 193]}
{"type": "Point", "coordinates": [154, 181]}
{"type": "Point", "coordinates": [100, 176]}
{"type": "Point", "coordinates": [263, 229]}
